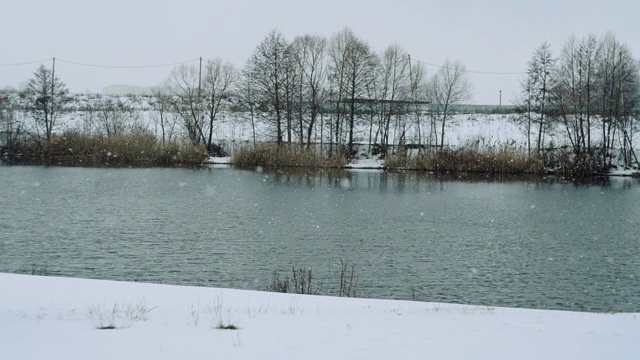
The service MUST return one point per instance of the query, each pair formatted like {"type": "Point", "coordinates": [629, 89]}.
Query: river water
{"type": "Point", "coordinates": [537, 243]}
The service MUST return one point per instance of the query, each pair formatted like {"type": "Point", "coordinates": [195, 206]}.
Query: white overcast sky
{"type": "Point", "coordinates": [488, 35]}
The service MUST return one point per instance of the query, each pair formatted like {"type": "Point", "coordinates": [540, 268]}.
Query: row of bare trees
{"type": "Point", "coordinates": [309, 90]}
{"type": "Point", "coordinates": [314, 89]}
{"type": "Point", "coordinates": [591, 90]}
{"type": "Point", "coordinates": [300, 82]}
{"type": "Point", "coordinates": [36, 113]}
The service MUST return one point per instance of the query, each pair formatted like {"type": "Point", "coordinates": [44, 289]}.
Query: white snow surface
{"type": "Point", "coordinates": [366, 164]}
{"type": "Point", "coordinates": [56, 318]}
{"type": "Point", "coordinates": [223, 160]}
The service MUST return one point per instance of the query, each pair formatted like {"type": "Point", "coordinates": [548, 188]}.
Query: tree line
{"type": "Point", "coordinates": [308, 89]}
{"type": "Point", "coordinates": [293, 85]}
{"type": "Point", "coordinates": [317, 89]}
{"type": "Point", "coordinates": [591, 87]}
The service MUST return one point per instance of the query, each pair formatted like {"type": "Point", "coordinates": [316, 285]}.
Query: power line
{"type": "Point", "coordinates": [127, 66]}
{"type": "Point", "coordinates": [472, 71]}
{"type": "Point", "coordinates": [231, 66]}
{"type": "Point", "coordinates": [224, 65]}
{"type": "Point", "coordinates": [26, 63]}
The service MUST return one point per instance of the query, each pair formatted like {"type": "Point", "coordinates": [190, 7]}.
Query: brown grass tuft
{"type": "Point", "coordinates": [139, 149]}
{"type": "Point", "coordinates": [503, 159]}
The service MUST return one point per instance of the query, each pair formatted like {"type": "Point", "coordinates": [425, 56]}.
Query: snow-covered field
{"type": "Point", "coordinates": [58, 318]}
{"type": "Point", "coordinates": [233, 130]}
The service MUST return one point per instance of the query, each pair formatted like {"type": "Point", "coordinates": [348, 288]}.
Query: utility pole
{"type": "Point", "coordinates": [500, 103]}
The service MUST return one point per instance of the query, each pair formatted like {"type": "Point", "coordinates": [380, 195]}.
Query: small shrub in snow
{"type": "Point", "coordinates": [348, 280]}
{"type": "Point", "coordinates": [299, 282]}
{"type": "Point", "coordinates": [215, 314]}
{"type": "Point", "coordinates": [117, 316]}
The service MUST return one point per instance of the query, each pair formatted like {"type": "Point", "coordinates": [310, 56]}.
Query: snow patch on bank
{"type": "Point", "coordinates": [223, 162]}
{"type": "Point", "coordinates": [366, 164]}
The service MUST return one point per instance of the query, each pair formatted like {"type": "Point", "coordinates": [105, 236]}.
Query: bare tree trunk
{"type": "Point", "coordinates": [444, 119]}
{"type": "Point", "coordinates": [322, 134]}
{"type": "Point", "coordinates": [253, 125]}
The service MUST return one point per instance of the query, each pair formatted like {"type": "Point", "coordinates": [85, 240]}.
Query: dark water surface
{"type": "Point", "coordinates": [539, 243]}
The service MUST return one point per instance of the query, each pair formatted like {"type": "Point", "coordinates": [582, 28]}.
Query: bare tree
{"type": "Point", "coordinates": [248, 99]}
{"type": "Point", "coordinates": [376, 113]}
{"type": "Point", "coordinates": [10, 126]}
{"type": "Point", "coordinates": [417, 95]}
{"type": "Point", "coordinates": [186, 94]}
{"type": "Point", "coordinates": [353, 66]}
{"type": "Point", "coordinates": [361, 65]}
{"type": "Point", "coordinates": [337, 77]}
{"type": "Point", "coordinates": [291, 93]}
{"type": "Point", "coordinates": [574, 91]}
{"type": "Point", "coordinates": [267, 70]}
{"type": "Point", "coordinates": [162, 114]}
{"type": "Point", "coordinates": [590, 56]}
{"type": "Point", "coordinates": [114, 117]}
{"type": "Point", "coordinates": [47, 97]}
{"type": "Point", "coordinates": [448, 88]}
{"type": "Point", "coordinates": [395, 88]}
{"type": "Point", "coordinates": [596, 78]}
{"type": "Point", "coordinates": [618, 95]}
{"type": "Point", "coordinates": [536, 91]}
{"type": "Point", "coordinates": [310, 53]}
{"type": "Point", "coordinates": [218, 80]}
{"type": "Point", "coordinates": [109, 116]}
{"type": "Point", "coordinates": [89, 116]}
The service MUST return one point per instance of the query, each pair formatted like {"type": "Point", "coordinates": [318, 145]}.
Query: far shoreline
{"type": "Point", "coordinates": [355, 165]}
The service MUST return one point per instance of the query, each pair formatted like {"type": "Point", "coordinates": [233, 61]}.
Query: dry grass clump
{"type": "Point", "coordinates": [300, 281]}
{"type": "Point", "coordinates": [118, 316]}
{"type": "Point", "coordinates": [348, 280]}
{"type": "Point", "coordinates": [269, 155]}
{"type": "Point", "coordinates": [135, 149]}
{"type": "Point", "coordinates": [503, 159]}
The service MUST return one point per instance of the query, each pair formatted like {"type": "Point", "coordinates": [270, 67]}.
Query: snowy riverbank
{"type": "Point", "coordinates": [476, 131]}
{"type": "Point", "coordinates": [57, 318]}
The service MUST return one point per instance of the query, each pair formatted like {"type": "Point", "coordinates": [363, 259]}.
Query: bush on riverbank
{"type": "Point", "coordinates": [75, 149]}
{"type": "Point", "coordinates": [269, 155]}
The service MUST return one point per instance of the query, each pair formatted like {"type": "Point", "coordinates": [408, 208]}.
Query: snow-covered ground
{"type": "Point", "coordinates": [58, 318]}
{"type": "Point", "coordinates": [220, 160]}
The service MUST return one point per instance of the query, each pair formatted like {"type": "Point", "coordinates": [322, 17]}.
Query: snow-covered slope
{"type": "Point", "coordinates": [57, 318]}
